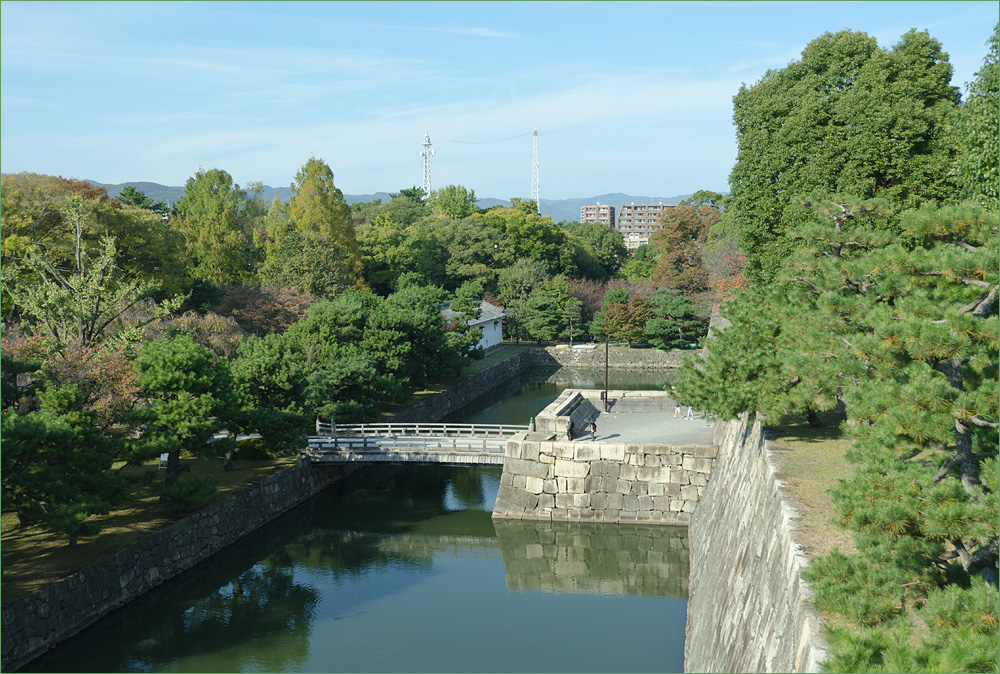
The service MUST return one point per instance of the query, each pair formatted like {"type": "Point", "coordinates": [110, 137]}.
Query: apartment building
{"type": "Point", "coordinates": [601, 213]}
{"type": "Point", "coordinates": [637, 222]}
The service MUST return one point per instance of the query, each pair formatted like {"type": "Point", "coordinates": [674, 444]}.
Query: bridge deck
{"type": "Point", "coordinates": [454, 450]}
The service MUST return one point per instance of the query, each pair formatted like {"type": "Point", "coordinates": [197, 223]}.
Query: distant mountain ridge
{"type": "Point", "coordinates": [558, 209]}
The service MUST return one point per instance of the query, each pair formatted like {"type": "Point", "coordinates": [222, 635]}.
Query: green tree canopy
{"type": "Point", "coordinates": [190, 396]}
{"type": "Point", "coordinates": [130, 196]}
{"type": "Point", "coordinates": [56, 465]}
{"type": "Point", "coordinates": [453, 201]}
{"type": "Point", "coordinates": [317, 207]}
{"type": "Point", "coordinates": [219, 238]}
{"type": "Point", "coordinates": [847, 118]}
{"type": "Point", "coordinates": [978, 130]}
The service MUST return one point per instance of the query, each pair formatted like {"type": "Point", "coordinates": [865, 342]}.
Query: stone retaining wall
{"type": "Point", "coordinates": [438, 406]}
{"type": "Point", "coordinates": [619, 358]}
{"type": "Point", "coordinates": [602, 482]}
{"type": "Point", "coordinates": [749, 607]}
{"type": "Point", "coordinates": [634, 402]}
{"type": "Point", "coordinates": [38, 622]}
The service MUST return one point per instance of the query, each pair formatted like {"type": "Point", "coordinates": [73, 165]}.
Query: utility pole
{"type": "Point", "coordinates": [427, 153]}
{"type": "Point", "coordinates": [534, 170]}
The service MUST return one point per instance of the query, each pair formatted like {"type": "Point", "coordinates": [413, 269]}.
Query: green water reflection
{"type": "Point", "coordinates": [403, 569]}
{"type": "Point", "coordinates": [601, 559]}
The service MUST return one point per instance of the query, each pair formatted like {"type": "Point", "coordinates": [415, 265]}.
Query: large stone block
{"type": "Point", "coordinates": [703, 465]}
{"type": "Point", "coordinates": [523, 467]}
{"type": "Point", "coordinates": [525, 500]}
{"type": "Point", "coordinates": [530, 451]}
{"type": "Point", "coordinates": [564, 501]}
{"type": "Point", "coordinates": [706, 452]}
{"type": "Point", "coordinates": [576, 485]}
{"type": "Point", "coordinates": [689, 493]}
{"type": "Point", "coordinates": [657, 489]}
{"type": "Point", "coordinates": [615, 501]}
{"type": "Point", "coordinates": [593, 484]}
{"type": "Point", "coordinates": [550, 486]}
{"type": "Point", "coordinates": [627, 472]}
{"type": "Point", "coordinates": [623, 486]}
{"type": "Point", "coordinates": [630, 503]}
{"type": "Point", "coordinates": [562, 450]}
{"type": "Point", "coordinates": [653, 474]}
{"type": "Point", "coordinates": [513, 450]}
{"type": "Point", "coordinates": [639, 488]}
{"type": "Point", "coordinates": [571, 468]}
{"type": "Point", "coordinates": [662, 502]}
{"type": "Point", "coordinates": [679, 476]}
{"type": "Point", "coordinates": [613, 452]}
{"type": "Point", "coordinates": [581, 500]}
{"type": "Point", "coordinates": [586, 452]}
{"type": "Point", "coordinates": [535, 485]}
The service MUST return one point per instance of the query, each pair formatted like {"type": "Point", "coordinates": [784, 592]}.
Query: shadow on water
{"type": "Point", "coordinates": [248, 594]}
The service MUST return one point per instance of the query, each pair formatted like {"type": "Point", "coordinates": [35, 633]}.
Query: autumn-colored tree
{"type": "Point", "coordinates": [263, 310]}
{"type": "Point", "coordinates": [626, 320]}
{"type": "Point", "coordinates": [679, 244]}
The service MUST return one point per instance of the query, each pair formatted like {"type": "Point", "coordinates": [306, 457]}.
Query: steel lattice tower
{"type": "Point", "coordinates": [427, 153]}
{"type": "Point", "coordinates": [534, 170]}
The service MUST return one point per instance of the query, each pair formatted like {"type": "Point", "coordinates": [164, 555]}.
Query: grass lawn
{"type": "Point", "coordinates": [33, 558]}
{"type": "Point", "coordinates": [812, 461]}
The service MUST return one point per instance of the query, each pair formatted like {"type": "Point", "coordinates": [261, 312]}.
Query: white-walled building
{"type": "Point", "coordinates": [490, 321]}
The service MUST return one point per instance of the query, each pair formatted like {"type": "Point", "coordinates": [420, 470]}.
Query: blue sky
{"type": "Point", "coordinates": [627, 97]}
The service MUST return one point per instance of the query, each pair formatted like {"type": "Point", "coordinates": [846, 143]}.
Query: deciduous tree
{"type": "Point", "coordinates": [847, 118]}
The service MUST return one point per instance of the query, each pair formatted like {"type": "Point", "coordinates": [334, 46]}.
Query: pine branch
{"type": "Point", "coordinates": [982, 423]}
{"type": "Point", "coordinates": [950, 462]}
{"type": "Point", "coordinates": [967, 281]}
{"type": "Point", "coordinates": [962, 244]}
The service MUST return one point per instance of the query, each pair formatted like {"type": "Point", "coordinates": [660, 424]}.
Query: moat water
{"type": "Point", "coordinates": [404, 570]}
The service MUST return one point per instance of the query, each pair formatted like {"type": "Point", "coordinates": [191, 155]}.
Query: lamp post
{"type": "Point", "coordinates": [606, 339]}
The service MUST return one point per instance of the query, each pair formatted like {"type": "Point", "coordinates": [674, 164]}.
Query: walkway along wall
{"type": "Point", "coordinates": [748, 609]}
{"type": "Point", "coordinates": [36, 623]}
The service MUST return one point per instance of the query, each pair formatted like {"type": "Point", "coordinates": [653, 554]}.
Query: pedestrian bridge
{"type": "Point", "coordinates": [454, 444]}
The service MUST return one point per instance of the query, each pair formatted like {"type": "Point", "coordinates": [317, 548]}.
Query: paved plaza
{"type": "Point", "coordinates": [651, 428]}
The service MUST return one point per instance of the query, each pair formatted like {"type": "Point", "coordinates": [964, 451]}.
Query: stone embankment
{"type": "Point", "coordinates": [618, 358]}
{"type": "Point", "coordinates": [560, 479]}
{"type": "Point", "coordinates": [749, 608]}
{"type": "Point", "coordinates": [38, 622]}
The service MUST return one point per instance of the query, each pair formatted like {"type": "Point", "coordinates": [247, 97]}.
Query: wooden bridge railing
{"type": "Point", "coordinates": [406, 444]}
{"type": "Point", "coordinates": [331, 429]}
